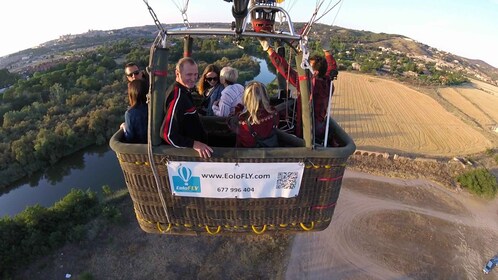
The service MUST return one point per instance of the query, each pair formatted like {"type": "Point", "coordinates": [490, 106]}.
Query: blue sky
{"type": "Point", "coordinates": [463, 27]}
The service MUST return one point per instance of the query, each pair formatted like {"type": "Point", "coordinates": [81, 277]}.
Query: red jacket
{"type": "Point", "coordinates": [264, 129]}
{"type": "Point", "coordinates": [320, 88]}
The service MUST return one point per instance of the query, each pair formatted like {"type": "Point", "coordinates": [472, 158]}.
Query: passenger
{"type": "Point", "coordinates": [182, 127]}
{"type": "Point", "coordinates": [135, 125]}
{"type": "Point", "coordinates": [254, 125]}
{"type": "Point", "coordinates": [132, 73]}
{"type": "Point", "coordinates": [210, 88]}
{"type": "Point", "coordinates": [231, 95]}
{"type": "Point", "coordinates": [324, 71]}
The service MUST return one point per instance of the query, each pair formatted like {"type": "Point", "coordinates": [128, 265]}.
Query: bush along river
{"type": "Point", "coordinates": [90, 168]}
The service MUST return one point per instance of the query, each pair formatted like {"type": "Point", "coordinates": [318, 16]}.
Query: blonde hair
{"type": "Point", "coordinates": [255, 96]}
{"type": "Point", "coordinates": [230, 74]}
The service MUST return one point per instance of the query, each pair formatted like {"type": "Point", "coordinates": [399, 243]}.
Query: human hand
{"type": "Point", "coordinates": [123, 127]}
{"type": "Point", "coordinates": [203, 149]}
{"type": "Point", "coordinates": [325, 43]}
{"type": "Point", "coordinates": [264, 44]}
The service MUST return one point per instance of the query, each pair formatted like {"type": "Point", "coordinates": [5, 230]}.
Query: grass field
{"type": "Point", "coordinates": [383, 115]}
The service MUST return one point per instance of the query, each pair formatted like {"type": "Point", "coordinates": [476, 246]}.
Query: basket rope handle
{"type": "Point", "coordinates": [213, 233]}
{"type": "Point", "coordinates": [312, 225]}
{"type": "Point", "coordinates": [263, 229]}
{"type": "Point", "coordinates": [161, 229]}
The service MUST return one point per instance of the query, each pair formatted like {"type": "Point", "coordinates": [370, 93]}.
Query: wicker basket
{"type": "Point", "coordinates": [310, 210]}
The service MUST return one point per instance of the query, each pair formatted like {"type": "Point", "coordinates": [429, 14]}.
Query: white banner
{"type": "Point", "coordinates": [231, 180]}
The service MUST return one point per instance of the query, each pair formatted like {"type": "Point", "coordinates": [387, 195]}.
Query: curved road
{"type": "Point", "coordinates": [334, 253]}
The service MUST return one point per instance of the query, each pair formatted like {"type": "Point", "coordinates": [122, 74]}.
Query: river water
{"type": "Point", "coordinates": [90, 168]}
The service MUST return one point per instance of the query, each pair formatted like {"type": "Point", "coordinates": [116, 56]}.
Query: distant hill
{"type": "Point", "coordinates": [69, 46]}
{"type": "Point", "coordinates": [420, 52]}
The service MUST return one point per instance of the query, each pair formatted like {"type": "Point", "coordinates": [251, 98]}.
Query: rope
{"type": "Point", "coordinates": [329, 108]}
{"type": "Point", "coordinates": [183, 11]}
{"type": "Point", "coordinates": [327, 11]}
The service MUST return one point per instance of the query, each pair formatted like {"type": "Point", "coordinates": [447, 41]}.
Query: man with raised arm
{"type": "Point", "coordinates": [182, 127]}
{"type": "Point", "coordinates": [324, 71]}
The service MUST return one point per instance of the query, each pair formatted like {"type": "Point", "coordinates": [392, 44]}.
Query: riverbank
{"type": "Point", "coordinates": [382, 228]}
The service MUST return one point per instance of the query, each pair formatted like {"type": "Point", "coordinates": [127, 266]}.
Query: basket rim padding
{"type": "Point", "coordinates": [229, 152]}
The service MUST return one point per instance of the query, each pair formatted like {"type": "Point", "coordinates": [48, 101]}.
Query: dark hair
{"type": "Point", "coordinates": [203, 84]}
{"type": "Point", "coordinates": [137, 92]}
{"type": "Point", "coordinates": [130, 64]}
{"type": "Point", "coordinates": [320, 65]}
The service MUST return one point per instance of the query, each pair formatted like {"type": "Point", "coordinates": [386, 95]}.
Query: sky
{"type": "Point", "coordinates": [466, 28]}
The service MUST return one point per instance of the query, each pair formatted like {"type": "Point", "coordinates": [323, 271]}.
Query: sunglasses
{"type": "Point", "coordinates": [136, 72]}
{"type": "Point", "coordinates": [212, 79]}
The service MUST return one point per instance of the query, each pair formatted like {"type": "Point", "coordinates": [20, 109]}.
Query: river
{"type": "Point", "coordinates": [90, 168]}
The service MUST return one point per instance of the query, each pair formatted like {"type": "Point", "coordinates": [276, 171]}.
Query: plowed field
{"type": "Point", "coordinates": [384, 115]}
{"type": "Point", "coordinates": [455, 97]}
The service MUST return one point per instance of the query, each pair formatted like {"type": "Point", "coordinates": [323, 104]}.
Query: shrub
{"type": "Point", "coordinates": [106, 190]}
{"type": "Point", "coordinates": [38, 230]}
{"type": "Point", "coordinates": [479, 181]}
{"type": "Point", "coordinates": [496, 159]}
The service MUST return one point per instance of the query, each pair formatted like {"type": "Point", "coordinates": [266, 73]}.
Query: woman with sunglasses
{"type": "Point", "coordinates": [210, 88]}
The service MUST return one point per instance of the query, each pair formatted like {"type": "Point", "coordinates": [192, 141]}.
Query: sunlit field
{"type": "Point", "coordinates": [385, 115]}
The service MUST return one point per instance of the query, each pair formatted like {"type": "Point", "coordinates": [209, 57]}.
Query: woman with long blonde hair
{"type": "Point", "coordinates": [255, 124]}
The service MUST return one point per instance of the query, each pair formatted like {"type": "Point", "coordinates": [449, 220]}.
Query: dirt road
{"type": "Point", "coordinates": [399, 229]}
{"type": "Point", "coordinates": [382, 228]}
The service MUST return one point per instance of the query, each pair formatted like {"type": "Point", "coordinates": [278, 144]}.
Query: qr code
{"type": "Point", "coordinates": [286, 180]}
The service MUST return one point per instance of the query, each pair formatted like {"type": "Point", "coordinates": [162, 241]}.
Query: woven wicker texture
{"type": "Point", "coordinates": [311, 210]}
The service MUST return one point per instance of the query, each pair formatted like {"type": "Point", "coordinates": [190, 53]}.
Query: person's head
{"type": "Point", "coordinates": [132, 72]}
{"type": "Point", "coordinates": [228, 75]}
{"type": "Point", "coordinates": [186, 72]}
{"type": "Point", "coordinates": [137, 92]}
{"type": "Point", "coordinates": [209, 78]}
{"type": "Point", "coordinates": [255, 98]}
{"type": "Point", "coordinates": [319, 65]}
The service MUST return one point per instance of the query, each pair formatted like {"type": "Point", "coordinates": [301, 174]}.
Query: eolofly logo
{"type": "Point", "coordinates": [185, 182]}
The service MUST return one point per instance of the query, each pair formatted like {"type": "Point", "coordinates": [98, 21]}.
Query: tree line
{"type": "Point", "coordinates": [54, 113]}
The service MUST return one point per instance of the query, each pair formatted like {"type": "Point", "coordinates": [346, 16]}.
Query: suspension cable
{"type": "Point", "coordinates": [154, 17]}
{"type": "Point", "coordinates": [328, 10]}
{"type": "Point", "coordinates": [183, 11]}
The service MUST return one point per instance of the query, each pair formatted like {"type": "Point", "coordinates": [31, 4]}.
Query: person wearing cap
{"type": "Point", "coordinates": [231, 95]}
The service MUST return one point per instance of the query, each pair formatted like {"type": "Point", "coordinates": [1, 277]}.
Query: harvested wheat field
{"type": "Point", "coordinates": [453, 96]}
{"type": "Point", "coordinates": [384, 115]}
{"type": "Point", "coordinates": [486, 102]}
{"type": "Point", "coordinates": [491, 89]}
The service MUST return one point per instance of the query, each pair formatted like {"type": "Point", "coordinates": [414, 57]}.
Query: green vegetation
{"type": "Point", "coordinates": [38, 230]}
{"type": "Point", "coordinates": [479, 181]}
{"type": "Point", "coordinates": [363, 48]}
{"type": "Point", "coordinates": [7, 78]}
{"type": "Point", "coordinates": [81, 101]}
{"type": "Point", "coordinates": [496, 159]}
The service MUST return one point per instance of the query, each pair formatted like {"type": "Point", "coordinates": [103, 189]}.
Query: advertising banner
{"type": "Point", "coordinates": [235, 180]}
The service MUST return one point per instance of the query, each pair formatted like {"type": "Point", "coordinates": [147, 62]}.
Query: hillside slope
{"type": "Point", "coordinates": [69, 45]}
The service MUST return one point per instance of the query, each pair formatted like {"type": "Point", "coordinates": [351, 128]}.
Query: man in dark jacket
{"type": "Point", "coordinates": [182, 127]}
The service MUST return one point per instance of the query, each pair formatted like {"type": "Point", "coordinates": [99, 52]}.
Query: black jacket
{"type": "Point", "coordinates": [181, 125]}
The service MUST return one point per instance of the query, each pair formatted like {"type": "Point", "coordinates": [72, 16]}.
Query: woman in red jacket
{"type": "Point", "coordinates": [255, 123]}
